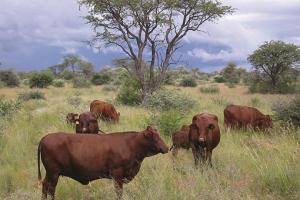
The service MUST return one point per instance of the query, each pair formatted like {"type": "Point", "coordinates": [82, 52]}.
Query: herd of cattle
{"type": "Point", "coordinates": [90, 155]}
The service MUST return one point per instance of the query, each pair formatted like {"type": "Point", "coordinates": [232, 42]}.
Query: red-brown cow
{"type": "Point", "coordinates": [87, 123]}
{"type": "Point", "coordinates": [87, 157]}
{"type": "Point", "coordinates": [71, 118]}
{"type": "Point", "coordinates": [236, 116]}
{"type": "Point", "coordinates": [105, 111]}
{"type": "Point", "coordinates": [180, 139]}
{"type": "Point", "coordinates": [204, 136]}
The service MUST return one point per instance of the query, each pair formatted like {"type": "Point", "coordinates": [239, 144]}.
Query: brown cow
{"type": "Point", "coordinates": [236, 116]}
{"type": "Point", "coordinates": [105, 111]}
{"type": "Point", "coordinates": [204, 136]}
{"type": "Point", "coordinates": [71, 118]}
{"type": "Point", "coordinates": [180, 139]}
{"type": "Point", "coordinates": [87, 123]}
{"type": "Point", "coordinates": [87, 157]}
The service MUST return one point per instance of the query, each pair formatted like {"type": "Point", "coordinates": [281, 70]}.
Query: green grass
{"type": "Point", "coordinates": [247, 165]}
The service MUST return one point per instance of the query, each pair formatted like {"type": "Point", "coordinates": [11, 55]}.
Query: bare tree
{"type": "Point", "coordinates": [149, 31]}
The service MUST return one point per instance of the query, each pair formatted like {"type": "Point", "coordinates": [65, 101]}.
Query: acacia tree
{"type": "Point", "coordinates": [274, 59]}
{"type": "Point", "coordinates": [149, 31]}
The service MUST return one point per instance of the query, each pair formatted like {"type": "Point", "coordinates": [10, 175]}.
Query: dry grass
{"type": "Point", "coordinates": [247, 165]}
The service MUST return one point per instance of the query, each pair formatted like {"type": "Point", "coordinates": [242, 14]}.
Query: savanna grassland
{"type": "Point", "coordinates": [247, 165]}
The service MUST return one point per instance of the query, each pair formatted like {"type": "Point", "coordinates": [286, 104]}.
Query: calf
{"type": "Point", "coordinates": [204, 136]}
{"type": "Point", "coordinates": [71, 118]}
{"type": "Point", "coordinates": [87, 123]}
{"type": "Point", "coordinates": [236, 116]}
{"type": "Point", "coordinates": [105, 111]}
{"type": "Point", "coordinates": [89, 157]}
{"type": "Point", "coordinates": [180, 139]}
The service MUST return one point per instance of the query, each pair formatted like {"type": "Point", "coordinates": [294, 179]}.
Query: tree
{"type": "Point", "coordinates": [41, 79]}
{"type": "Point", "coordinates": [273, 60]}
{"type": "Point", "coordinates": [86, 68]}
{"type": "Point", "coordinates": [71, 60]}
{"type": "Point", "coordinates": [149, 31]}
{"type": "Point", "coordinates": [9, 78]}
{"type": "Point", "coordinates": [230, 73]}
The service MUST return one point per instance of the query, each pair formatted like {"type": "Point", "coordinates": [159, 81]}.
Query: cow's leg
{"type": "Point", "coordinates": [209, 155]}
{"type": "Point", "coordinates": [52, 186]}
{"type": "Point", "coordinates": [202, 155]}
{"type": "Point", "coordinates": [196, 156]}
{"type": "Point", "coordinates": [118, 188]}
{"type": "Point", "coordinates": [45, 187]}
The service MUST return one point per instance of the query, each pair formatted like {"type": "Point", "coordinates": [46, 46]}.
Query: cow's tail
{"type": "Point", "coordinates": [38, 160]}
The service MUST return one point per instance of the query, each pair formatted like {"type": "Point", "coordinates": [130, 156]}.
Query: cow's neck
{"type": "Point", "coordinates": [141, 147]}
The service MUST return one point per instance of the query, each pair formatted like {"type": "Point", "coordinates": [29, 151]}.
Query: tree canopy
{"type": "Point", "coordinates": [149, 32]}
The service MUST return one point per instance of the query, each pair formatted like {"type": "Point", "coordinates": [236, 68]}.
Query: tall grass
{"type": "Point", "coordinates": [247, 165]}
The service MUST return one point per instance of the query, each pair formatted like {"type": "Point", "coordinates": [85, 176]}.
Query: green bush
{"type": "Point", "coordinates": [58, 83]}
{"type": "Point", "coordinates": [167, 122]}
{"type": "Point", "coordinates": [210, 89]}
{"type": "Point", "coordinates": [8, 107]}
{"type": "Point", "coordinates": [67, 75]}
{"type": "Point", "coordinates": [100, 79]}
{"type": "Point", "coordinates": [219, 79]}
{"type": "Point", "coordinates": [288, 112]}
{"type": "Point", "coordinates": [31, 95]}
{"type": "Point", "coordinates": [80, 82]}
{"type": "Point", "coordinates": [9, 78]}
{"type": "Point", "coordinates": [41, 80]}
{"type": "Point", "coordinates": [166, 100]}
{"type": "Point", "coordinates": [130, 92]}
{"type": "Point", "coordinates": [188, 82]}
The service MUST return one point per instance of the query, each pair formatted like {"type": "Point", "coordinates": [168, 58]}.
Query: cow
{"type": "Point", "coordinates": [236, 116]}
{"type": "Point", "coordinates": [105, 111]}
{"type": "Point", "coordinates": [180, 139]}
{"type": "Point", "coordinates": [204, 136]}
{"type": "Point", "coordinates": [71, 118]}
{"type": "Point", "coordinates": [87, 123]}
{"type": "Point", "coordinates": [88, 157]}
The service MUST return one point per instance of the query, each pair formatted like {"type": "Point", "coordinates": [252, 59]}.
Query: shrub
{"type": "Point", "coordinates": [219, 79]}
{"type": "Point", "coordinates": [41, 80]}
{"type": "Point", "coordinates": [67, 75]}
{"type": "Point", "coordinates": [288, 112]}
{"type": "Point", "coordinates": [100, 79]}
{"type": "Point", "coordinates": [7, 108]}
{"type": "Point", "coordinates": [166, 100]}
{"type": "Point", "coordinates": [80, 82]}
{"type": "Point", "coordinates": [58, 83]}
{"type": "Point", "coordinates": [188, 82]}
{"type": "Point", "coordinates": [130, 92]}
{"type": "Point", "coordinates": [31, 95]}
{"type": "Point", "coordinates": [167, 122]}
{"type": "Point", "coordinates": [210, 89]}
{"type": "Point", "coordinates": [9, 78]}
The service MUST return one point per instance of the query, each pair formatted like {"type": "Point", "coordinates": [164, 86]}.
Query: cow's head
{"type": "Point", "coordinates": [200, 131]}
{"type": "Point", "coordinates": [88, 123]}
{"type": "Point", "coordinates": [156, 144]}
{"type": "Point", "coordinates": [264, 122]}
{"type": "Point", "coordinates": [71, 118]}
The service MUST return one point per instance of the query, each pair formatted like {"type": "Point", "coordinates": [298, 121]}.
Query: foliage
{"type": "Point", "coordinates": [86, 68]}
{"type": "Point", "coordinates": [100, 79]}
{"type": "Point", "coordinates": [210, 89]}
{"type": "Point", "coordinates": [80, 82]}
{"type": "Point", "coordinates": [288, 112]}
{"type": "Point", "coordinates": [129, 93]}
{"type": "Point", "coordinates": [140, 28]}
{"type": "Point", "coordinates": [188, 82]}
{"type": "Point", "coordinates": [67, 75]}
{"type": "Point", "coordinates": [167, 100]}
{"type": "Point", "coordinates": [41, 79]}
{"type": "Point", "coordinates": [219, 79]}
{"type": "Point", "coordinates": [8, 107]}
{"type": "Point", "coordinates": [109, 88]}
{"type": "Point", "coordinates": [58, 83]}
{"type": "Point", "coordinates": [9, 78]}
{"type": "Point", "coordinates": [272, 61]}
{"type": "Point", "coordinates": [26, 96]}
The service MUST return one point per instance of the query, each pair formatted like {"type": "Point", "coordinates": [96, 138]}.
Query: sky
{"type": "Point", "coordinates": [36, 34]}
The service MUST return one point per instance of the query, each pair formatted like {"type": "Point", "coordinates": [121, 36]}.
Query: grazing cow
{"type": "Point", "coordinates": [87, 123]}
{"type": "Point", "coordinates": [246, 117]}
{"type": "Point", "coordinates": [105, 111]}
{"type": "Point", "coordinates": [180, 139]}
{"type": "Point", "coordinates": [204, 136]}
{"type": "Point", "coordinates": [85, 158]}
{"type": "Point", "coordinates": [71, 118]}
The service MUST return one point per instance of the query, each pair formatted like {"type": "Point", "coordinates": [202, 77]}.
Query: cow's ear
{"type": "Point", "coordinates": [211, 126]}
{"type": "Point", "coordinates": [148, 133]}
{"type": "Point", "coordinates": [76, 116]}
